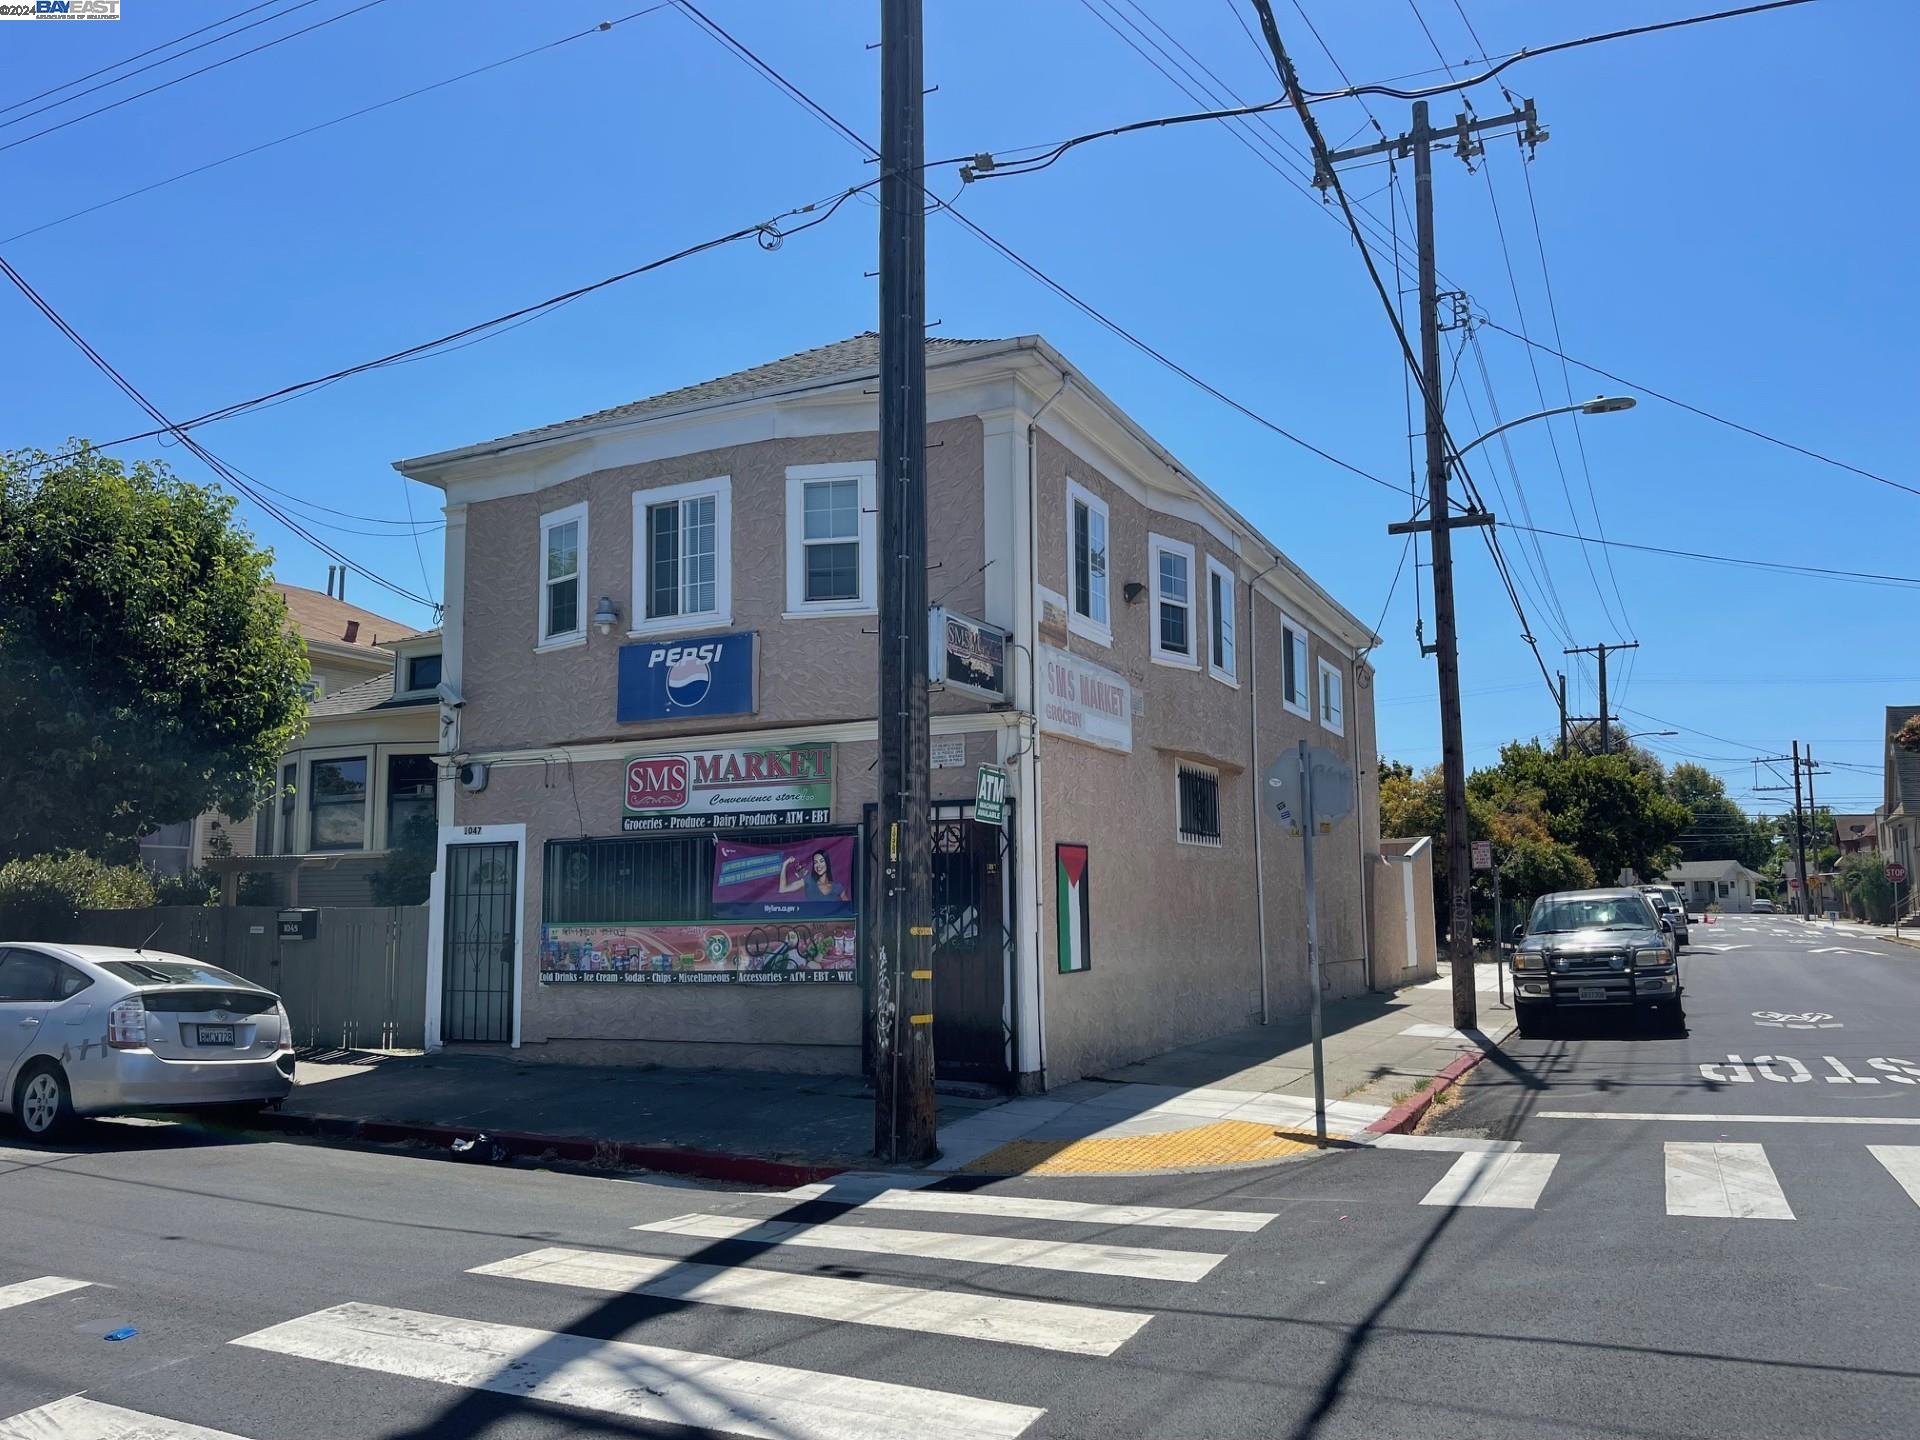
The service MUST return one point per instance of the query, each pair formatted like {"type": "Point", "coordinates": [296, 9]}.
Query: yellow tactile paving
{"type": "Point", "coordinates": [1224, 1142]}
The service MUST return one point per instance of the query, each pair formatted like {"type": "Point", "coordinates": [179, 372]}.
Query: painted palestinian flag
{"type": "Point", "coordinates": [1070, 906]}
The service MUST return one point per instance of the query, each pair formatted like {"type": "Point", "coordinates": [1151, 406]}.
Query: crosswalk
{"type": "Point", "coordinates": [750, 1255]}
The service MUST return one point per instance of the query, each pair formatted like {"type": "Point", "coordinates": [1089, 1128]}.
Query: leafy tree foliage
{"type": "Point", "coordinates": [1907, 737]}
{"type": "Point", "coordinates": [1870, 894]}
{"type": "Point", "coordinates": [1719, 828]}
{"type": "Point", "coordinates": [147, 672]}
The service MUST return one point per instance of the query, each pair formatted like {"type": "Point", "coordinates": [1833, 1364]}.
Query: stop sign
{"type": "Point", "coordinates": [1896, 872]}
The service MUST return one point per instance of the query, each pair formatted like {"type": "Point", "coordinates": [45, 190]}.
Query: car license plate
{"type": "Point", "coordinates": [1593, 992]}
{"type": "Point", "coordinates": [213, 1034]}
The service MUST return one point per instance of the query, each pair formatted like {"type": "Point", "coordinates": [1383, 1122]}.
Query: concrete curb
{"type": "Point", "coordinates": [1404, 1116]}
{"type": "Point", "coordinates": [574, 1149]}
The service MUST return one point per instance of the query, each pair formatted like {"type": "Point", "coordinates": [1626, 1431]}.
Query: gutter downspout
{"type": "Point", "coordinates": [1032, 638]}
{"type": "Point", "coordinates": [1258, 778]}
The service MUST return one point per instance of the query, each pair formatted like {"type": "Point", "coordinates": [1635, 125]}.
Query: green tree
{"type": "Point", "coordinates": [1606, 809]}
{"type": "Point", "coordinates": [1863, 880]}
{"type": "Point", "coordinates": [1908, 735]}
{"type": "Point", "coordinates": [404, 876]}
{"type": "Point", "coordinates": [1719, 828]}
{"type": "Point", "coordinates": [147, 671]}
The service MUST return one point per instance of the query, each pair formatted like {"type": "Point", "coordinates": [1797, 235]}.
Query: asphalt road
{"type": "Point", "coordinates": [282, 1289]}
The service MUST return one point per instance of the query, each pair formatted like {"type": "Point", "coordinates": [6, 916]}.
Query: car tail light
{"type": "Point", "coordinates": [286, 1026]}
{"type": "Point", "coordinates": [127, 1024]}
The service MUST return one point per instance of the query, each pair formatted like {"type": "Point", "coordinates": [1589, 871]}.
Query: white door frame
{"type": "Point", "coordinates": [437, 917]}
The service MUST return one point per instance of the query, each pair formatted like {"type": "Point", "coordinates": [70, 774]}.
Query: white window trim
{"type": "Point", "coordinates": [721, 489]}
{"type": "Point", "coordinates": [1085, 626]}
{"type": "Point", "coordinates": [566, 639]}
{"type": "Point", "coordinates": [1304, 707]}
{"type": "Point", "coordinates": [403, 662]}
{"type": "Point", "coordinates": [1157, 545]}
{"type": "Point", "coordinates": [368, 751]}
{"type": "Point", "coordinates": [1230, 675]}
{"type": "Point", "coordinates": [1321, 672]}
{"type": "Point", "coordinates": [868, 601]}
{"type": "Point", "coordinates": [1181, 767]}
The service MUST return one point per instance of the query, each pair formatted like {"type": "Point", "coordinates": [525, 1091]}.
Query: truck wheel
{"type": "Point", "coordinates": [1531, 1022]}
{"type": "Point", "coordinates": [42, 1103]}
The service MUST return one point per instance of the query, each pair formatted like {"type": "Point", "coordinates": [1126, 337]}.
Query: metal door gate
{"type": "Point", "coordinates": [479, 967]}
{"type": "Point", "coordinates": [972, 875]}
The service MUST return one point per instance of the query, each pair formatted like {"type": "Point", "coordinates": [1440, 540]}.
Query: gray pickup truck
{"type": "Point", "coordinates": [1596, 950]}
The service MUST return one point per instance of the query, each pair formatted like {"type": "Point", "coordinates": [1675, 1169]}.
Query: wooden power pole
{"type": "Point", "coordinates": [902, 944]}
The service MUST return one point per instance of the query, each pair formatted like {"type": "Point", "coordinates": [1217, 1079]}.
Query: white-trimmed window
{"type": "Point", "coordinates": [1294, 677]}
{"type": "Point", "coordinates": [1222, 615]}
{"type": "Point", "coordinates": [1171, 576]}
{"type": "Point", "coordinates": [1087, 604]}
{"type": "Point", "coordinates": [338, 790]}
{"type": "Point", "coordinates": [831, 541]}
{"type": "Point", "coordinates": [1333, 711]}
{"type": "Point", "coordinates": [1199, 797]}
{"type": "Point", "coordinates": [563, 570]}
{"type": "Point", "coordinates": [683, 556]}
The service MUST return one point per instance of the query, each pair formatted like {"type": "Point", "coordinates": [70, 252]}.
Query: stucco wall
{"type": "Point", "coordinates": [1174, 932]}
{"type": "Point", "coordinates": [805, 1028]}
{"type": "Point", "coordinates": [814, 669]}
{"type": "Point", "coordinates": [1391, 916]}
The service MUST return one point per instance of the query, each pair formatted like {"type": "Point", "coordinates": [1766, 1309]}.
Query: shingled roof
{"type": "Point", "coordinates": [842, 360]}
{"type": "Point", "coordinates": [374, 693]}
{"type": "Point", "coordinates": [323, 620]}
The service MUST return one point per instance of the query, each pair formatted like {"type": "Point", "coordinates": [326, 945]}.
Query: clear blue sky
{"type": "Point", "coordinates": [1727, 213]}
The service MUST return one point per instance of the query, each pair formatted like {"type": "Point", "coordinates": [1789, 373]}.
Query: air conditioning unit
{"type": "Point", "coordinates": [473, 777]}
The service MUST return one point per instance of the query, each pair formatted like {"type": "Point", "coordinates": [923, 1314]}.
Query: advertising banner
{"type": "Point", "coordinates": [729, 789]}
{"type": "Point", "coordinates": [1084, 701]}
{"type": "Point", "coordinates": [811, 879]}
{"type": "Point", "coordinates": [685, 678]}
{"type": "Point", "coordinates": [700, 953]}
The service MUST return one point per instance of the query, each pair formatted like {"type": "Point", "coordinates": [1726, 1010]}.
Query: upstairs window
{"type": "Point", "coordinates": [1333, 713]}
{"type": "Point", "coordinates": [682, 548]}
{"type": "Point", "coordinates": [831, 539]}
{"type": "Point", "coordinates": [1172, 577]}
{"type": "Point", "coordinates": [1087, 564]}
{"type": "Point", "coordinates": [423, 672]}
{"type": "Point", "coordinates": [563, 564]}
{"type": "Point", "coordinates": [1293, 668]}
{"type": "Point", "coordinates": [1222, 656]}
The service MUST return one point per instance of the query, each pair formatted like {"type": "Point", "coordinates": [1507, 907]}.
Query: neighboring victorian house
{"type": "Point", "coordinates": [660, 659]}
{"type": "Point", "coordinates": [364, 763]}
{"type": "Point", "coordinates": [1900, 808]}
{"type": "Point", "coordinates": [1856, 834]}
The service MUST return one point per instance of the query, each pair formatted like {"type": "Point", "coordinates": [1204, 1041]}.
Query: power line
{"type": "Point", "coordinates": [204, 69]}
{"type": "Point", "coordinates": [1864, 577]}
{"type": "Point", "coordinates": [604, 25]}
{"type": "Point", "coordinates": [233, 478]}
{"type": "Point", "coordinates": [1706, 414]}
{"type": "Point", "coordinates": [151, 49]}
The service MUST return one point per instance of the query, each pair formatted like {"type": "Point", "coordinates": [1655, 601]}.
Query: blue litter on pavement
{"type": "Point", "coordinates": [125, 1332]}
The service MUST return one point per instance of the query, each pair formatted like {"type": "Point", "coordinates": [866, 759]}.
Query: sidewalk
{"type": "Point", "coordinates": [1242, 1098]}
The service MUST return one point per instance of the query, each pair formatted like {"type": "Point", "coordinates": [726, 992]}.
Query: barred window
{"type": "Point", "coordinates": [1199, 806]}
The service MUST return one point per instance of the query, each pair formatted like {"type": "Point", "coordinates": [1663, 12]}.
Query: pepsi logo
{"type": "Point", "coordinates": [688, 680]}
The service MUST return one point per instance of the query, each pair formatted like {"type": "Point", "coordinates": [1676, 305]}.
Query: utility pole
{"type": "Point", "coordinates": [1563, 713]}
{"type": "Point", "coordinates": [1417, 145]}
{"type": "Point", "coordinates": [904, 1126]}
{"type": "Point", "coordinates": [1800, 838]}
{"type": "Point", "coordinates": [1606, 716]}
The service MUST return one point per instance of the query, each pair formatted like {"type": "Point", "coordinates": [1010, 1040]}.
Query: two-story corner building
{"type": "Point", "coordinates": [660, 647]}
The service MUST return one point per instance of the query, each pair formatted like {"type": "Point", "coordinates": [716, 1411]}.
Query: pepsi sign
{"type": "Point", "coordinates": [677, 679]}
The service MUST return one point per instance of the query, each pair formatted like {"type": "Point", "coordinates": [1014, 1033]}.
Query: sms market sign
{"type": "Point", "coordinates": [733, 789]}
{"type": "Point", "coordinates": [683, 678]}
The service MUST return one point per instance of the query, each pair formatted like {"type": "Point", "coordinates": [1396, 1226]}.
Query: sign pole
{"type": "Point", "coordinates": [1499, 954]}
{"type": "Point", "coordinates": [1307, 822]}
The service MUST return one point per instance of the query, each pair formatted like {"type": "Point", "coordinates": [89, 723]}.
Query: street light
{"type": "Point", "coordinates": [1599, 405]}
{"type": "Point", "coordinates": [1639, 733]}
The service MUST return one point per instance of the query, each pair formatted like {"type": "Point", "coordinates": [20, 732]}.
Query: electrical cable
{"type": "Point", "coordinates": [1864, 577]}
{"type": "Point", "coordinates": [603, 26]}
{"type": "Point", "coordinates": [204, 69]}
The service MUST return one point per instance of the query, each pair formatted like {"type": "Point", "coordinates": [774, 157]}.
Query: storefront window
{"type": "Point", "coordinates": [754, 907]}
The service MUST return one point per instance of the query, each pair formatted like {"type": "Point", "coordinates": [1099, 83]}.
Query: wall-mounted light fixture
{"type": "Point", "coordinates": [1132, 591]}
{"type": "Point", "coordinates": [607, 615]}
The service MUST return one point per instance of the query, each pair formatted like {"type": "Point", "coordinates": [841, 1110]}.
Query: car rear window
{"type": "Point", "coordinates": [171, 972]}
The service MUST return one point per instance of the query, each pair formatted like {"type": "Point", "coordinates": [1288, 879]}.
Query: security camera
{"type": "Point", "coordinates": [449, 696]}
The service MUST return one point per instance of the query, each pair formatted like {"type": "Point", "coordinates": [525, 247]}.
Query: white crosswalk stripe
{"type": "Point", "coordinates": [638, 1382]}
{"type": "Point", "coordinates": [1903, 1163]}
{"type": "Point", "coordinates": [1504, 1181]}
{"type": "Point", "coordinates": [78, 1418]}
{"type": "Point", "coordinates": [1723, 1181]}
{"type": "Point", "coordinates": [23, 1292]}
{"type": "Point", "coordinates": [1026, 1207]}
{"type": "Point", "coordinates": [1137, 1262]}
{"type": "Point", "coordinates": [1045, 1325]}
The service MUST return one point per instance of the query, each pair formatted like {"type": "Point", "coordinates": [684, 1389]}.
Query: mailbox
{"type": "Point", "coordinates": [299, 924]}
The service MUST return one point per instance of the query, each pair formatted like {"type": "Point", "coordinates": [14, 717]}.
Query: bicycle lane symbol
{"type": "Point", "coordinates": [1799, 1020]}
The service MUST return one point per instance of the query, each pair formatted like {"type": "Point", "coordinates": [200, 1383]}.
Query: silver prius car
{"type": "Point", "coordinates": [97, 1030]}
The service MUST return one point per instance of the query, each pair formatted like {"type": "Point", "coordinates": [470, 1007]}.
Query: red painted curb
{"type": "Point", "coordinates": [607, 1154]}
{"type": "Point", "coordinates": [1404, 1116]}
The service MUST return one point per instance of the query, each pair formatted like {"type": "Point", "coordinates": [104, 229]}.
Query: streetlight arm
{"type": "Point", "coordinates": [1602, 405]}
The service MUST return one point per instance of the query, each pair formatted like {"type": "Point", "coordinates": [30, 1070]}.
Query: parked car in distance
{"type": "Point", "coordinates": [1594, 950]}
{"type": "Point", "coordinates": [1763, 906]}
{"type": "Point", "coordinates": [98, 1030]}
{"type": "Point", "coordinates": [1667, 903]}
